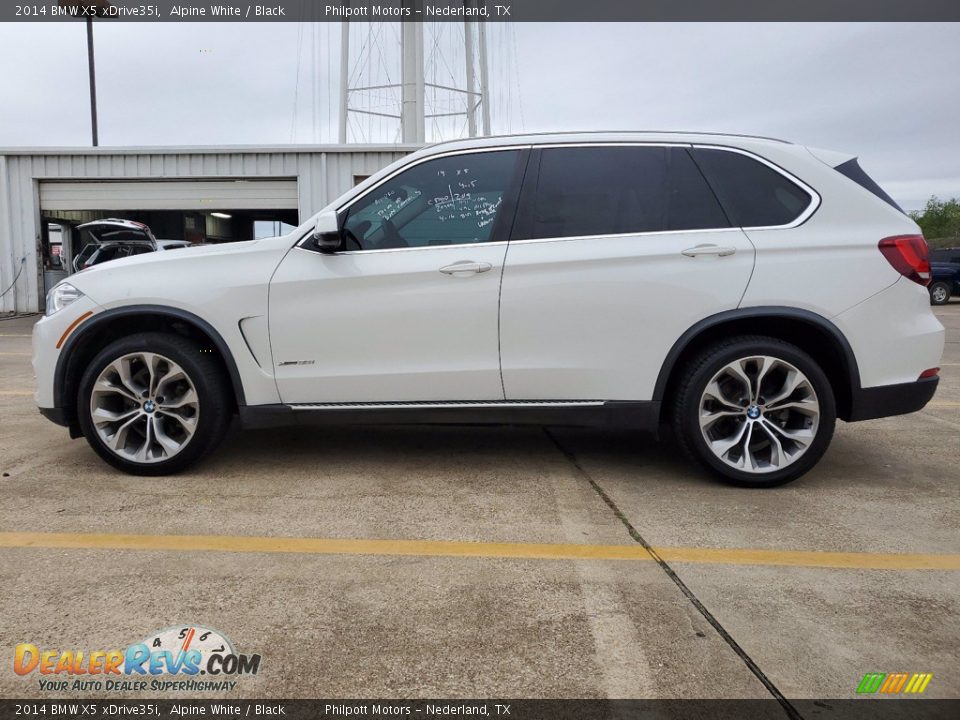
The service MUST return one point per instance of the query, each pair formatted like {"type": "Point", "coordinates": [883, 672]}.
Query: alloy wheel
{"type": "Point", "coordinates": [759, 414]}
{"type": "Point", "coordinates": [144, 407]}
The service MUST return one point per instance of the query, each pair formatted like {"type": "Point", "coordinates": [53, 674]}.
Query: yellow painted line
{"type": "Point", "coordinates": [467, 549]}
{"type": "Point", "coordinates": [21, 393]}
{"type": "Point", "coordinates": [811, 558]}
{"type": "Point", "coordinates": [943, 403]}
{"type": "Point", "coordinates": [15, 354]}
{"type": "Point", "coordinates": [13, 335]}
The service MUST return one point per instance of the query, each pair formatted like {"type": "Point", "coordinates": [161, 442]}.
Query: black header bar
{"type": "Point", "coordinates": [81, 706]}
{"type": "Point", "coordinates": [485, 10]}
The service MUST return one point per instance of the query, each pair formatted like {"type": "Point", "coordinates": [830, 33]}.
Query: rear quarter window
{"type": "Point", "coordinates": [852, 170]}
{"type": "Point", "coordinates": [752, 193]}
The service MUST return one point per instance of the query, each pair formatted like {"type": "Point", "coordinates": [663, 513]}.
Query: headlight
{"type": "Point", "coordinates": [62, 295]}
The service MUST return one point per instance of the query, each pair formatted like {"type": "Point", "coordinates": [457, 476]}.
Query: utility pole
{"type": "Point", "coordinates": [89, 9]}
{"type": "Point", "coordinates": [93, 82]}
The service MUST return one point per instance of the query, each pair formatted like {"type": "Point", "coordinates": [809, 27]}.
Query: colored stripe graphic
{"type": "Point", "coordinates": [871, 682]}
{"type": "Point", "coordinates": [918, 683]}
{"type": "Point", "coordinates": [894, 683]}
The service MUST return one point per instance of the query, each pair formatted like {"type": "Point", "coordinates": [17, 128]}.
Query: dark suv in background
{"type": "Point", "coordinates": [945, 275]}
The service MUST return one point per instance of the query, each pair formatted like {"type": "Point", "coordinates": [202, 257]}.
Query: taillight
{"type": "Point", "coordinates": [931, 373]}
{"type": "Point", "coordinates": [908, 255]}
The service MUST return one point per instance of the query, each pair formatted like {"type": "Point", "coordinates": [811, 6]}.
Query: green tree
{"type": "Point", "coordinates": [940, 220]}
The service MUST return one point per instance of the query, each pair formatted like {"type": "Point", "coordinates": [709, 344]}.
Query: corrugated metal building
{"type": "Point", "coordinates": [177, 187]}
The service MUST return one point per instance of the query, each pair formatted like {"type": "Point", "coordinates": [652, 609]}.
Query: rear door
{"type": "Point", "coordinates": [618, 250]}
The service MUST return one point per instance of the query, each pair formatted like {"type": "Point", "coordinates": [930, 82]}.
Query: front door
{"type": "Point", "coordinates": [407, 311]}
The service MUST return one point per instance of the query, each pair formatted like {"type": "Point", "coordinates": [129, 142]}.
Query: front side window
{"type": "Point", "coordinates": [448, 201]}
{"type": "Point", "coordinates": [588, 191]}
{"type": "Point", "coordinates": [752, 193]}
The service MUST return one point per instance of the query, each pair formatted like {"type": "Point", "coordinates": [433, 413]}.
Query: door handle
{"type": "Point", "coordinates": [466, 267]}
{"type": "Point", "coordinates": [718, 250]}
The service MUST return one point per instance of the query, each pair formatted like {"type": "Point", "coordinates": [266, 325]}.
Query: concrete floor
{"type": "Point", "coordinates": [368, 625]}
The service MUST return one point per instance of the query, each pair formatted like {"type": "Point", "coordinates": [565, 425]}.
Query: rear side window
{"type": "Point", "coordinates": [852, 170]}
{"type": "Point", "coordinates": [752, 193]}
{"type": "Point", "coordinates": [585, 191]}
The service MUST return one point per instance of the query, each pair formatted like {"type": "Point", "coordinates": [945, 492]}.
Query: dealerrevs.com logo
{"type": "Point", "coordinates": [189, 658]}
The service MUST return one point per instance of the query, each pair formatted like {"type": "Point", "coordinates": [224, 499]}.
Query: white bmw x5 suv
{"type": "Point", "coordinates": [745, 291]}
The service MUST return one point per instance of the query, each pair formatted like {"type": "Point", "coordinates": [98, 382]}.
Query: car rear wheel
{"type": "Point", "coordinates": [152, 404]}
{"type": "Point", "coordinates": [939, 293]}
{"type": "Point", "coordinates": [755, 411]}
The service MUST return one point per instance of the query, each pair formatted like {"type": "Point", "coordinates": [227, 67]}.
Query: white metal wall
{"type": "Point", "coordinates": [322, 173]}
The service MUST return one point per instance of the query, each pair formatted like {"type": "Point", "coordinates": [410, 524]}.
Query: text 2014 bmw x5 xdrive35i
{"type": "Point", "coordinates": [747, 291]}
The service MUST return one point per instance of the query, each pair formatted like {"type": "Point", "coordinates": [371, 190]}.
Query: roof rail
{"type": "Point", "coordinates": [614, 132]}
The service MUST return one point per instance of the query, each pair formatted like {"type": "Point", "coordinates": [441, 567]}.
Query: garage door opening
{"type": "Point", "coordinates": [196, 211]}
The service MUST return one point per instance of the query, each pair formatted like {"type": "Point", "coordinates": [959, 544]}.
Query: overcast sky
{"type": "Point", "coordinates": [889, 93]}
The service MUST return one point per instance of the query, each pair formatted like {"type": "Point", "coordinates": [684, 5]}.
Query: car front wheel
{"type": "Point", "coordinates": [755, 411]}
{"type": "Point", "coordinates": [152, 404]}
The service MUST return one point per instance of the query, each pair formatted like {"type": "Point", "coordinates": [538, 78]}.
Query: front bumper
{"type": "Point", "coordinates": [887, 400]}
{"type": "Point", "coordinates": [49, 336]}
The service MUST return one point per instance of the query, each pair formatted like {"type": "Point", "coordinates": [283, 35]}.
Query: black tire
{"type": "Point", "coordinates": [939, 293]}
{"type": "Point", "coordinates": [203, 371]}
{"type": "Point", "coordinates": [699, 372]}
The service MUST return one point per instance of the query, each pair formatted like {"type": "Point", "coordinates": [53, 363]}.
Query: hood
{"type": "Point", "coordinates": [223, 284]}
{"type": "Point", "coordinates": [189, 279]}
{"type": "Point", "coordinates": [166, 260]}
{"type": "Point", "coordinates": [113, 230]}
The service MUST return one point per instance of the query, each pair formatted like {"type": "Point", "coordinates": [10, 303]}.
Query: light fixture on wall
{"type": "Point", "coordinates": [225, 216]}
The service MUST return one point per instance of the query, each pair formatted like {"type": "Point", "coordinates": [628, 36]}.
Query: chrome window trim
{"type": "Point", "coordinates": [815, 198]}
{"type": "Point", "coordinates": [561, 238]}
{"type": "Point", "coordinates": [436, 156]}
{"type": "Point", "coordinates": [450, 153]}
{"type": "Point", "coordinates": [495, 243]}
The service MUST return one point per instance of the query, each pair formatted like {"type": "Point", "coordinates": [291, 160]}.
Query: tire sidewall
{"type": "Point", "coordinates": [773, 348]}
{"type": "Point", "coordinates": [213, 406]}
{"type": "Point", "coordinates": [946, 294]}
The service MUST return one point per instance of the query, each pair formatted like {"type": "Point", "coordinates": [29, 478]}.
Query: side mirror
{"type": "Point", "coordinates": [326, 233]}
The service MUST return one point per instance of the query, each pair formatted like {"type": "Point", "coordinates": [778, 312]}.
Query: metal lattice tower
{"type": "Point", "coordinates": [414, 81]}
